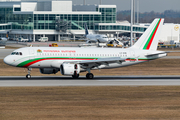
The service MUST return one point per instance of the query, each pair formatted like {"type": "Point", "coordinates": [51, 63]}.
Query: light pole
{"type": "Point", "coordinates": [137, 11]}
{"type": "Point", "coordinates": [84, 2]}
{"type": "Point", "coordinates": [132, 1]}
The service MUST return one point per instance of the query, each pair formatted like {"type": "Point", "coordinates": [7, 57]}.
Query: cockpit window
{"type": "Point", "coordinates": [13, 53]}
{"type": "Point", "coordinates": [16, 53]}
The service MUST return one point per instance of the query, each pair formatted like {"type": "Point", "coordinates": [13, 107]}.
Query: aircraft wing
{"type": "Point", "coordinates": [98, 62]}
{"type": "Point", "coordinates": [103, 60]}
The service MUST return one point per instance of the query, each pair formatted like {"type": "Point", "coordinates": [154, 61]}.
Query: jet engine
{"type": "Point", "coordinates": [48, 70]}
{"type": "Point", "coordinates": [70, 69]}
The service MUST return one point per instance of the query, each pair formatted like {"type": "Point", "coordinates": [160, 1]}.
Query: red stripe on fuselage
{"type": "Point", "coordinates": [33, 62]}
{"type": "Point", "coordinates": [135, 60]}
{"type": "Point", "coordinates": [149, 45]}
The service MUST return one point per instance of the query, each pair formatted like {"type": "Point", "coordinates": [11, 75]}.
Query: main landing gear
{"type": "Point", "coordinates": [89, 75]}
{"type": "Point", "coordinates": [28, 76]}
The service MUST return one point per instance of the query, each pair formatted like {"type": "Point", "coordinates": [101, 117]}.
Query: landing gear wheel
{"type": "Point", "coordinates": [28, 76]}
{"type": "Point", "coordinates": [75, 76]}
{"type": "Point", "coordinates": [89, 76]}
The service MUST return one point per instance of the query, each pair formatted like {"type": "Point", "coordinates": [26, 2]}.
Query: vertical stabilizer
{"type": "Point", "coordinates": [86, 29]}
{"type": "Point", "coordinates": [149, 39]}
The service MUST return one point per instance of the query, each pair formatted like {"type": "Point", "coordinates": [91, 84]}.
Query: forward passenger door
{"type": "Point", "coordinates": [31, 54]}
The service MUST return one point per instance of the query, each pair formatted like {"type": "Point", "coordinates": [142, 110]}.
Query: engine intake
{"type": "Point", "coordinates": [69, 69]}
{"type": "Point", "coordinates": [48, 70]}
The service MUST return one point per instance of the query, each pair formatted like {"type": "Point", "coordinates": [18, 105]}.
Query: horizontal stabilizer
{"type": "Point", "coordinates": [151, 55]}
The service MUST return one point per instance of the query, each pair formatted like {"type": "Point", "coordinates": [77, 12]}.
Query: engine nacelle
{"type": "Point", "coordinates": [70, 69]}
{"type": "Point", "coordinates": [48, 70]}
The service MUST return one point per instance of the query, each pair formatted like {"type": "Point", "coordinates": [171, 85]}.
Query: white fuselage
{"type": "Point", "coordinates": [53, 57]}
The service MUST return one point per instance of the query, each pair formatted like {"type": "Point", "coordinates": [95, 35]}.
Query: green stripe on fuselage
{"type": "Point", "coordinates": [47, 58]}
{"type": "Point", "coordinates": [26, 62]}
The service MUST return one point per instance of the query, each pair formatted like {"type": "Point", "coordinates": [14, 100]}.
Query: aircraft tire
{"type": "Point", "coordinates": [28, 76]}
{"type": "Point", "coordinates": [89, 76]}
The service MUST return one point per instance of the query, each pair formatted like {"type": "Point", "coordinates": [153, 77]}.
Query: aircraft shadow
{"type": "Point", "coordinates": [95, 78]}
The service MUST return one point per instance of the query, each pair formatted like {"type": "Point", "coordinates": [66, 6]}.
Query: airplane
{"type": "Point", "coordinates": [72, 61]}
{"type": "Point", "coordinates": [4, 39]}
{"type": "Point", "coordinates": [95, 37]}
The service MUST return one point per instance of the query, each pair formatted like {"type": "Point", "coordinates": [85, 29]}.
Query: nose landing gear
{"type": "Point", "coordinates": [28, 76]}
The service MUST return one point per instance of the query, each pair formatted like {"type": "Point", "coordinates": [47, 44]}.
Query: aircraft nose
{"type": "Point", "coordinates": [7, 60]}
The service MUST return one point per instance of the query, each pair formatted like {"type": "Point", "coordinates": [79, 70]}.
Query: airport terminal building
{"type": "Point", "coordinates": [60, 20]}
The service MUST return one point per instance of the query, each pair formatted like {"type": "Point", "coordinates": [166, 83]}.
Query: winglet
{"type": "Point", "coordinates": [149, 39]}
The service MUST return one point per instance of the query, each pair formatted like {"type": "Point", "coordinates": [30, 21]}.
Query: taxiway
{"type": "Point", "coordinates": [21, 81]}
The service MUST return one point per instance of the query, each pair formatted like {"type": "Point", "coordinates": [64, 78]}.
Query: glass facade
{"type": "Point", "coordinates": [108, 15]}
{"type": "Point", "coordinates": [48, 21]}
{"type": "Point", "coordinates": [72, 21]}
{"type": "Point", "coordinates": [5, 27]}
{"type": "Point", "coordinates": [118, 27]}
{"type": "Point", "coordinates": [19, 21]}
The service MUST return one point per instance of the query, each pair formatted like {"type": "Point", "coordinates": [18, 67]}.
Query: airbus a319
{"type": "Point", "coordinates": [72, 61]}
{"type": "Point", "coordinates": [3, 40]}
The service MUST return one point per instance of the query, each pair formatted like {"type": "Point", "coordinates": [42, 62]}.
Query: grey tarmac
{"type": "Point", "coordinates": [5, 52]}
{"type": "Point", "coordinates": [41, 81]}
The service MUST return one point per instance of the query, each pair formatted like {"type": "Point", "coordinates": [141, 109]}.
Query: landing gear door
{"type": "Point", "coordinates": [31, 54]}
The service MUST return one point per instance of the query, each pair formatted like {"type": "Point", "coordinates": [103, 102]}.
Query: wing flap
{"type": "Point", "coordinates": [103, 60]}
{"type": "Point", "coordinates": [99, 61]}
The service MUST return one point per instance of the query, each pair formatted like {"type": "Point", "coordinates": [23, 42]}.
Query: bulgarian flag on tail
{"type": "Point", "coordinates": [151, 37]}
